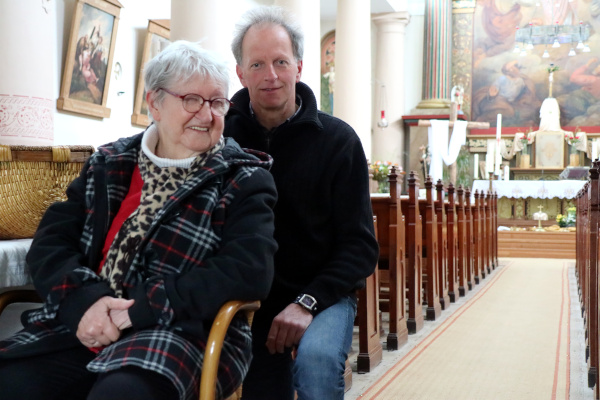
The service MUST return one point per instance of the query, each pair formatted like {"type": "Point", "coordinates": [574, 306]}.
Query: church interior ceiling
{"type": "Point", "coordinates": [504, 81]}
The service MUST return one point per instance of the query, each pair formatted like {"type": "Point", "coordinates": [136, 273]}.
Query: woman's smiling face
{"type": "Point", "coordinates": [183, 134]}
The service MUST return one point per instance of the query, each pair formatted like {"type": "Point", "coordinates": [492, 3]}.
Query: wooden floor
{"type": "Point", "coordinates": [528, 244]}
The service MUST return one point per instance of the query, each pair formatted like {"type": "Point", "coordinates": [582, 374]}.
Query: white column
{"type": "Point", "coordinates": [308, 13]}
{"type": "Point", "coordinates": [389, 71]}
{"type": "Point", "coordinates": [352, 91]}
{"type": "Point", "coordinates": [27, 75]}
{"type": "Point", "coordinates": [196, 21]}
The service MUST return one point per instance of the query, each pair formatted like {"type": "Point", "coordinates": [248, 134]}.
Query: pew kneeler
{"type": "Point", "coordinates": [208, 379]}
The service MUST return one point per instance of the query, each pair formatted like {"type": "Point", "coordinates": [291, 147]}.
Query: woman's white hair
{"type": "Point", "coordinates": [180, 62]}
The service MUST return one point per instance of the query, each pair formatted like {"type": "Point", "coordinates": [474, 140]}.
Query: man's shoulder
{"type": "Point", "coordinates": [335, 125]}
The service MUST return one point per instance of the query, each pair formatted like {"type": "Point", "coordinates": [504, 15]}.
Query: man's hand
{"type": "Point", "coordinates": [96, 327]}
{"type": "Point", "coordinates": [287, 328]}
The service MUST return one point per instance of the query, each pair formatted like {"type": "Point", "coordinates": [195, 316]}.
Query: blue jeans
{"type": "Point", "coordinates": [318, 370]}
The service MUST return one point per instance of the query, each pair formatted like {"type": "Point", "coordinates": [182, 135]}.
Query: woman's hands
{"type": "Point", "coordinates": [102, 323]}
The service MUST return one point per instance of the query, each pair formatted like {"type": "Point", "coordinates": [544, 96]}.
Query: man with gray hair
{"type": "Point", "coordinates": [323, 218]}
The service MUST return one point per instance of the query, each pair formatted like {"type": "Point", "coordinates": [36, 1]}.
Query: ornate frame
{"type": "Point", "coordinates": [159, 31]}
{"type": "Point", "coordinates": [87, 68]}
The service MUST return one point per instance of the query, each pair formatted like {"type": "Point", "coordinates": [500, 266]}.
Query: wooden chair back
{"type": "Point", "coordinates": [214, 345]}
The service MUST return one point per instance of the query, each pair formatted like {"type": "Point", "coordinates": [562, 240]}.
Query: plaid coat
{"type": "Point", "coordinates": [212, 241]}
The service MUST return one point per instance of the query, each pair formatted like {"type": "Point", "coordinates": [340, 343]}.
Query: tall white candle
{"type": "Point", "coordinates": [498, 127]}
{"type": "Point", "coordinates": [476, 166]}
{"type": "Point", "coordinates": [506, 173]}
{"type": "Point", "coordinates": [490, 157]}
{"type": "Point", "coordinates": [498, 138]}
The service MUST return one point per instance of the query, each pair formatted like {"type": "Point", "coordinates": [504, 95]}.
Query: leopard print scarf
{"type": "Point", "coordinates": [159, 184]}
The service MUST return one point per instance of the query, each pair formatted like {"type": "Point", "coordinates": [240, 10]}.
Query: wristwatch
{"type": "Point", "coordinates": [308, 302]}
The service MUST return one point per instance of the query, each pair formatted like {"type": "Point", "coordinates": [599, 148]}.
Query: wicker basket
{"type": "Point", "coordinates": [32, 178]}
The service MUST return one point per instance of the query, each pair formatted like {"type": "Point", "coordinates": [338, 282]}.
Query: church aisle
{"type": "Point", "coordinates": [510, 338]}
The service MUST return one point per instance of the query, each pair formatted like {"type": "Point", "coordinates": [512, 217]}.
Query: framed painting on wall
{"type": "Point", "coordinates": [327, 71]}
{"type": "Point", "coordinates": [157, 39]}
{"type": "Point", "coordinates": [88, 63]}
{"type": "Point", "coordinates": [549, 150]}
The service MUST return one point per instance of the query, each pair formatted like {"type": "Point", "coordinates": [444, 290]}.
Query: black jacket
{"type": "Point", "coordinates": [323, 217]}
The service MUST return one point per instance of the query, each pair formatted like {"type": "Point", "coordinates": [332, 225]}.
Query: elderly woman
{"type": "Point", "coordinates": [158, 231]}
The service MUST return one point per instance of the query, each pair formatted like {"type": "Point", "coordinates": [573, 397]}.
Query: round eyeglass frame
{"type": "Point", "coordinates": [210, 102]}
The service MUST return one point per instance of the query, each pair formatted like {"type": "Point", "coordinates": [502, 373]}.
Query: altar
{"type": "Point", "coordinates": [518, 200]}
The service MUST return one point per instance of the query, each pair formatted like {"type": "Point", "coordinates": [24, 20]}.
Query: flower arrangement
{"type": "Point", "coordinates": [573, 138]}
{"type": "Point", "coordinates": [527, 137]}
{"type": "Point", "coordinates": [381, 170]}
{"type": "Point", "coordinates": [552, 68]}
{"type": "Point", "coordinates": [567, 220]}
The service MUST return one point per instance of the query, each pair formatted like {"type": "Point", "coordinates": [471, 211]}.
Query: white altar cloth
{"type": "Point", "coordinates": [13, 269]}
{"type": "Point", "coordinates": [566, 189]}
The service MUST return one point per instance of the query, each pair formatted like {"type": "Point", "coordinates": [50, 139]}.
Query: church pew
{"type": "Point", "coordinates": [413, 251]}
{"type": "Point", "coordinates": [452, 245]}
{"type": "Point", "coordinates": [463, 259]}
{"type": "Point", "coordinates": [483, 236]}
{"type": "Point", "coordinates": [488, 233]}
{"type": "Point", "coordinates": [442, 240]}
{"type": "Point", "coordinates": [495, 230]}
{"type": "Point", "coordinates": [369, 345]}
{"type": "Point", "coordinates": [392, 261]}
{"type": "Point", "coordinates": [587, 269]}
{"type": "Point", "coordinates": [398, 331]}
{"type": "Point", "coordinates": [592, 220]}
{"type": "Point", "coordinates": [471, 253]}
{"type": "Point", "coordinates": [476, 237]}
{"type": "Point", "coordinates": [430, 253]}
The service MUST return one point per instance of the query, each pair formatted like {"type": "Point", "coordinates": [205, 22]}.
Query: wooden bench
{"type": "Point", "coordinates": [587, 253]}
{"type": "Point", "coordinates": [413, 250]}
{"type": "Point", "coordinates": [472, 255]}
{"type": "Point", "coordinates": [369, 344]}
{"type": "Point", "coordinates": [391, 234]}
{"type": "Point", "coordinates": [463, 259]}
{"type": "Point", "coordinates": [452, 252]}
{"type": "Point", "coordinates": [442, 241]}
{"type": "Point", "coordinates": [430, 253]}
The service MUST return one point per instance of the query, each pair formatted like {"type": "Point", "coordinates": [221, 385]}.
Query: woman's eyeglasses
{"type": "Point", "coordinates": [192, 103]}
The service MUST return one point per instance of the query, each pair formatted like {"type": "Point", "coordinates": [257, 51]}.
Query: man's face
{"type": "Point", "coordinates": [269, 70]}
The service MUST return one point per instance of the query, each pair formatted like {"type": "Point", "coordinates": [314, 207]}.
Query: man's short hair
{"type": "Point", "coordinates": [265, 16]}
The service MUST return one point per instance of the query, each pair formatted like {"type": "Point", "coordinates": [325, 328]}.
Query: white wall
{"type": "Point", "coordinates": [76, 129]}
{"type": "Point", "coordinates": [73, 129]}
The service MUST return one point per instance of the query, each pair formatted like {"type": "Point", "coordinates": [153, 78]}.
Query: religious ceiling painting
{"type": "Point", "coordinates": [512, 79]}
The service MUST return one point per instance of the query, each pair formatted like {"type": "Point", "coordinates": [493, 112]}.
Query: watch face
{"type": "Point", "coordinates": [308, 301]}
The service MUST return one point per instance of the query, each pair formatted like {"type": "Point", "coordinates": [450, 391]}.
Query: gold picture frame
{"type": "Point", "coordinates": [157, 38]}
{"type": "Point", "coordinates": [88, 63]}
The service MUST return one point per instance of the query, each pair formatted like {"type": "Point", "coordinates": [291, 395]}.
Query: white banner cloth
{"type": "Point", "coordinates": [438, 145]}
